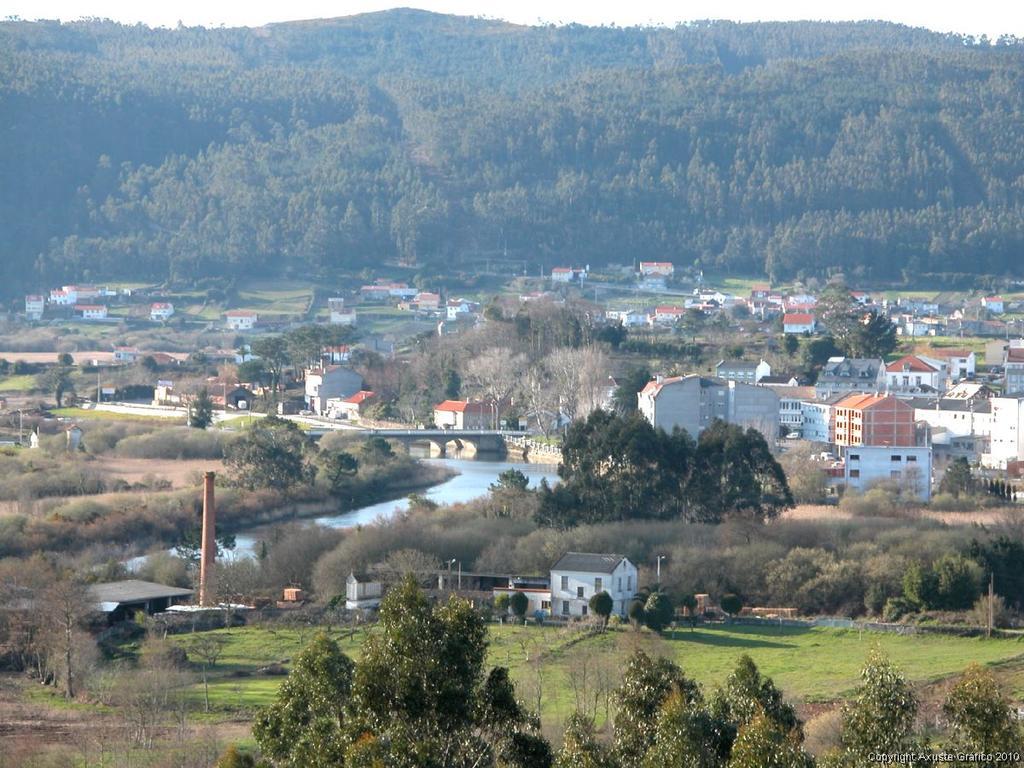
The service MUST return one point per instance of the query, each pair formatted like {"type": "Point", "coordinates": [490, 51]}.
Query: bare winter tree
{"type": "Point", "coordinates": [496, 374]}
{"type": "Point", "coordinates": [539, 396]}
{"type": "Point", "coordinates": [579, 378]}
{"type": "Point", "coordinates": [64, 606]}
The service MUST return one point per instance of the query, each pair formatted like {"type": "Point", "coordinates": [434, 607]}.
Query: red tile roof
{"type": "Point", "coordinates": [798, 318]}
{"type": "Point", "coordinates": [911, 363]}
{"type": "Point", "coordinates": [360, 396]}
{"type": "Point", "coordinates": [461, 406]}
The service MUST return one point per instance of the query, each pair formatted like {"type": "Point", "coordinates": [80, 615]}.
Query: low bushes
{"type": "Point", "coordinates": [174, 443]}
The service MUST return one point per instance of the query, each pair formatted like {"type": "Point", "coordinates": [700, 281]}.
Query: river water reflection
{"type": "Point", "coordinates": [474, 480]}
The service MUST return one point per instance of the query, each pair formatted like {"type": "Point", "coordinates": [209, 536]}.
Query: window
{"type": "Point", "coordinates": [895, 457]}
{"type": "Point", "coordinates": [565, 607]}
{"type": "Point", "coordinates": [545, 605]}
{"type": "Point", "coordinates": [579, 592]}
{"type": "Point", "coordinates": [854, 457]}
{"type": "Point", "coordinates": [854, 473]}
{"type": "Point", "coordinates": [629, 583]}
{"type": "Point", "coordinates": [619, 584]}
{"type": "Point", "coordinates": [911, 458]}
{"type": "Point", "coordinates": [598, 584]}
{"type": "Point", "coordinates": [584, 611]}
{"type": "Point", "coordinates": [565, 583]}
{"type": "Point", "coordinates": [895, 474]}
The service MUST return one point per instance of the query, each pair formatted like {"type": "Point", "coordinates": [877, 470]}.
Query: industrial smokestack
{"type": "Point", "coordinates": [209, 550]}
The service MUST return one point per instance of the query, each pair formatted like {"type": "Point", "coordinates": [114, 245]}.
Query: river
{"type": "Point", "coordinates": [473, 480]}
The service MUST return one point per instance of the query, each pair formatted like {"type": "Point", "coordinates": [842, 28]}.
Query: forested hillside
{"type": "Point", "coordinates": [302, 148]}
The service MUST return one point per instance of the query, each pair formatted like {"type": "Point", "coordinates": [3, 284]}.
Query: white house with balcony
{"type": "Point", "coordinates": [161, 311]}
{"type": "Point", "coordinates": [578, 576]}
{"type": "Point", "coordinates": [240, 319]}
{"type": "Point", "coordinates": [34, 307]}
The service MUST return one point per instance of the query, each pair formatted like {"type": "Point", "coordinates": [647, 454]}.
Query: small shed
{"type": "Point", "coordinates": [362, 591]}
{"type": "Point", "coordinates": [121, 599]}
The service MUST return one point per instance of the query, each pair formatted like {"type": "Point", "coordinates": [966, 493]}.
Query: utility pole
{"type": "Point", "coordinates": [991, 603]}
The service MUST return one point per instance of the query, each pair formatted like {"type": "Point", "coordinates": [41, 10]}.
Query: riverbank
{"type": "Point", "coordinates": [135, 522]}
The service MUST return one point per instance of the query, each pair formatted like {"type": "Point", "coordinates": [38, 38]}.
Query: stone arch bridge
{"type": "Point", "coordinates": [440, 441]}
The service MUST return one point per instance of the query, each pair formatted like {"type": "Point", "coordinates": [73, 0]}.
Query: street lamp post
{"type": "Point", "coordinates": [450, 564]}
{"type": "Point", "coordinates": [660, 558]}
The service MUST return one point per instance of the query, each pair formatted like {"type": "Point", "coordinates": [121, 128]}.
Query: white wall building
{"type": "Point", "coordinates": [912, 372]}
{"type": "Point", "coordinates": [743, 371]}
{"type": "Point", "coordinates": [91, 311]}
{"type": "Point", "coordinates": [694, 402]}
{"type": "Point", "coordinates": [910, 467]}
{"type": "Point", "coordinates": [798, 322]}
{"type": "Point", "coordinates": [34, 307]}
{"type": "Point", "coordinates": [657, 268]}
{"type": "Point", "coordinates": [578, 576]}
{"type": "Point", "coordinates": [161, 311]}
{"type": "Point", "coordinates": [240, 319]}
{"type": "Point", "coordinates": [1005, 443]}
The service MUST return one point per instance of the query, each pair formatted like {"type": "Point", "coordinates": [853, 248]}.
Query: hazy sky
{"type": "Point", "coordinates": [991, 17]}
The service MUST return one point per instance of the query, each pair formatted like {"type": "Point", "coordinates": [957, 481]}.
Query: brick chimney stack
{"type": "Point", "coordinates": [209, 547]}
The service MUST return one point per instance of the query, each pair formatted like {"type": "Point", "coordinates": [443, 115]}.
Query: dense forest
{"type": "Point", "coordinates": [786, 149]}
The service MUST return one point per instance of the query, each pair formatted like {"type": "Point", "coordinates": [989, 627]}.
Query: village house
{"type": "Point", "coordinates": [35, 305]}
{"type": "Point", "coordinates": [91, 311]}
{"type": "Point", "coordinates": [240, 319]}
{"type": "Point", "coordinates": [994, 304]}
{"type": "Point", "coordinates": [460, 308]}
{"type": "Point", "coordinates": [339, 314]}
{"type": "Point", "coordinates": [425, 301]}
{"type": "Point", "coordinates": [161, 311]}
{"type": "Point", "coordinates": [578, 576]}
{"type": "Point", "coordinates": [959, 363]}
{"type": "Point", "coordinates": [657, 269]}
{"type": "Point", "coordinates": [537, 590]}
{"type": "Point", "coordinates": [351, 407]}
{"type": "Point", "coordinates": [798, 322]}
{"type": "Point", "coordinates": [329, 383]}
{"type": "Point", "coordinates": [629, 318]}
{"type": "Point", "coordinates": [744, 371]}
{"type": "Point", "coordinates": [568, 274]}
{"type": "Point", "coordinates": [666, 315]}
{"type": "Point", "coordinates": [126, 355]}
{"type": "Point", "coordinates": [850, 374]}
{"type": "Point", "coordinates": [913, 373]}
{"type": "Point", "coordinates": [1013, 370]}
{"type": "Point", "coordinates": [464, 414]}
{"type": "Point", "coordinates": [69, 295]}
{"type": "Point", "coordinates": [693, 402]}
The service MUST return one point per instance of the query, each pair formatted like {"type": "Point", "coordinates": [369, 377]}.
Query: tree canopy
{"type": "Point", "coordinates": [619, 467]}
{"type": "Point", "coordinates": [780, 148]}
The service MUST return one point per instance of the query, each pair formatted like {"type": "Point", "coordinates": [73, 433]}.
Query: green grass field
{"type": "Point", "coordinates": [88, 414]}
{"type": "Point", "coordinates": [275, 298]}
{"type": "Point", "coordinates": [810, 665]}
{"type": "Point", "coordinates": [24, 383]}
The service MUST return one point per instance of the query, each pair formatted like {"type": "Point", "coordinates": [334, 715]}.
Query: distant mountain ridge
{"type": "Point", "coordinates": [305, 147]}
